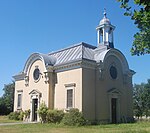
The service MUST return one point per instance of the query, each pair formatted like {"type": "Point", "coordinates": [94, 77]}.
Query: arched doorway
{"type": "Point", "coordinates": [35, 96]}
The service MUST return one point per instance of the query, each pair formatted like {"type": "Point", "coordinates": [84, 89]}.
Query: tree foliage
{"type": "Point", "coordinates": [7, 100]}
{"type": "Point", "coordinates": [141, 17]}
{"type": "Point", "coordinates": [141, 99]}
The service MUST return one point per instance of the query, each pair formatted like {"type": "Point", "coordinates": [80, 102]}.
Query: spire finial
{"type": "Point", "coordinates": [104, 13]}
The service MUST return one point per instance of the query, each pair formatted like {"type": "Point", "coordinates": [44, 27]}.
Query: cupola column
{"type": "Point", "coordinates": [98, 38]}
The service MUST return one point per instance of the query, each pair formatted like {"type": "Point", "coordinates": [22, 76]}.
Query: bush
{"type": "Point", "coordinates": [27, 113]}
{"type": "Point", "coordinates": [54, 116]}
{"type": "Point", "coordinates": [14, 115]}
{"type": "Point", "coordinates": [21, 115]}
{"type": "Point", "coordinates": [43, 109]}
{"type": "Point", "coordinates": [74, 118]}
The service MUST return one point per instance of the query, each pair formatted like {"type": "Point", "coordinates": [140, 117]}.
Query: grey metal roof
{"type": "Point", "coordinates": [73, 53]}
{"type": "Point", "coordinates": [49, 60]}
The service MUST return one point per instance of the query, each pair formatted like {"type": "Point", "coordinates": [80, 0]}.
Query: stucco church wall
{"type": "Point", "coordinates": [129, 89]}
{"type": "Point", "coordinates": [102, 93]}
{"type": "Point", "coordinates": [72, 78]}
{"type": "Point", "coordinates": [40, 86]}
{"type": "Point", "coordinates": [88, 94]}
{"type": "Point", "coordinates": [102, 101]}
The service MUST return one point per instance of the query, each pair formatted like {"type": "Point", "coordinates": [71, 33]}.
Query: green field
{"type": "Point", "coordinates": [139, 127]}
{"type": "Point", "coordinates": [4, 119]}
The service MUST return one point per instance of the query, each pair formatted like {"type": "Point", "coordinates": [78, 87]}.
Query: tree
{"type": "Point", "coordinates": [3, 108]}
{"type": "Point", "coordinates": [146, 98]}
{"type": "Point", "coordinates": [137, 100]}
{"type": "Point", "coordinates": [141, 17]}
{"type": "Point", "coordinates": [7, 100]}
{"type": "Point", "coordinates": [141, 99]}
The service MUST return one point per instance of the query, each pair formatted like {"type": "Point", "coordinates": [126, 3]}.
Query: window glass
{"type": "Point", "coordinates": [36, 74]}
{"type": "Point", "coordinates": [113, 72]}
{"type": "Point", "coordinates": [70, 98]}
{"type": "Point", "coordinates": [19, 101]}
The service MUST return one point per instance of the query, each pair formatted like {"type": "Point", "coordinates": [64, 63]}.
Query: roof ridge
{"type": "Point", "coordinates": [72, 46]}
{"type": "Point", "coordinates": [89, 45]}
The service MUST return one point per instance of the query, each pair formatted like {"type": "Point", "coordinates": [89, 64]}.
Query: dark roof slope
{"type": "Point", "coordinates": [76, 52]}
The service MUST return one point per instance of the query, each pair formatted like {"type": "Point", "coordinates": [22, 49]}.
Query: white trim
{"type": "Point", "coordinates": [70, 87]}
{"type": "Point", "coordinates": [46, 60]}
{"type": "Point", "coordinates": [116, 53]}
{"type": "Point", "coordinates": [84, 63]}
{"type": "Point", "coordinates": [19, 92]}
{"type": "Point", "coordinates": [120, 57]}
{"type": "Point", "coordinates": [19, 76]}
{"type": "Point", "coordinates": [34, 94]}
{"type": "Point", "coordinates": [36, 80]}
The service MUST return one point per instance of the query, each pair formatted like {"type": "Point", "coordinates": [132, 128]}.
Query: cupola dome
{"type": "Point", "coordinates": [105, 20]}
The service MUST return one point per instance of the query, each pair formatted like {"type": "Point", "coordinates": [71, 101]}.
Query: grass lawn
{"type": "Point", "coordinates": [4, 119]}
{"type": "Point", "coordinates": [140, 127]}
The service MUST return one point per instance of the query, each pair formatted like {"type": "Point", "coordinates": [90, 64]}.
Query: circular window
{"type": "Point", "coordinates": [113, 72]}
{"type": "Point", "coordinates": [36, 74]}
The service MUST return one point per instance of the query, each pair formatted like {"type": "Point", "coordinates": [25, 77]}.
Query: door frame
{"type": "Point", "coordinates": [114, 93]}
{"type": "Point", "coordinates": [34, 94]}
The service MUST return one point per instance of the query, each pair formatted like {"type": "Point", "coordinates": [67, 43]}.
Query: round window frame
{"type": "Point", "coordinates": [113, 72]}
{"type": "Point", "coordinates": [36, 79]}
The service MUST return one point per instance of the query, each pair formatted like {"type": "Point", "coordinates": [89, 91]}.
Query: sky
{"type": "Point", "coordinates": [29, 26]}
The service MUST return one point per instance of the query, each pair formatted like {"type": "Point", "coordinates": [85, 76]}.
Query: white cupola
{"type": "Point", "coordinates": [105, 32]}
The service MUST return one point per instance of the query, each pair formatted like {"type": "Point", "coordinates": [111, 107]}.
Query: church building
{"type": "Point", "coordinates": [95, 79]}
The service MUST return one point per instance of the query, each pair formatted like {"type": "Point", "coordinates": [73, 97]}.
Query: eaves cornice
{"type": "Point", "coordinates": [76, 64]}
{"type": "Point", "coordinates": [19, 76]}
